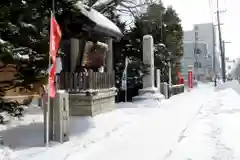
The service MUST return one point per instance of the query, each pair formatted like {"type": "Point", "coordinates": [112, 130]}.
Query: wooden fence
{"type": "Point", "coordinates": [81, 81]}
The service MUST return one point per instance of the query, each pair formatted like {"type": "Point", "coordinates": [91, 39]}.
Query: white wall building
{"type": "Point", "coordinates": [202, 62]}
{"type": "Point", "coordinates": [201, 37]}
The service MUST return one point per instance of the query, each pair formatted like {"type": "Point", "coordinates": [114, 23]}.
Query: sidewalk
{"type": "Point", "coordinates": [153, 135]}
{"type": "Point", "coordinates": [214, 133]}
{"type": "Point", "coordinates": [143, 131]}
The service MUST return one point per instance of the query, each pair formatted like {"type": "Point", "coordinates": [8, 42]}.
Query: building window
{"type": "Point", "coordinates": [196, 34]}
{"type": "Point", "coordinates": [197, 51]}
{"type": "Point", "coordinates": [197, 65]}
{"type": "Point", "coordinates": [196, 28]}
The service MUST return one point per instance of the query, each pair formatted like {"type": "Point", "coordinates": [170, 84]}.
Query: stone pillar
{"type": "Point", "coordinates": [109, 56]}
{"type": "Point", "coordinates": [74, 51]}
{"type": "Point", "coordinates": [166, 90]}
{"type": "Point", "coordinates": [148, 80]}
{"type": "Point", "coordinates": [148, 58]}
{"type": "Point", "coordinates": [170, 71]}
{"type": "Point", "coordinates": [159, 80]}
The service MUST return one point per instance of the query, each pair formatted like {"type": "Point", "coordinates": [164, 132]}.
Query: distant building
{"type": "Point", "coordinates": [201, 62]}
{"type": "Point", "coordinates": [236, 69]}
{"type": "Point", "coordinates": [230, 64]}
{"type": "Point", "coordinates": [198, 51]}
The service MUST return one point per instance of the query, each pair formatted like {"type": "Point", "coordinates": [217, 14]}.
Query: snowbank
{"type": "Point", "coordinates": [6, 153]}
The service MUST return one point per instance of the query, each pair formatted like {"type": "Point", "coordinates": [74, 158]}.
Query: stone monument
{"type": "Point", "coordinates": [149, 90]}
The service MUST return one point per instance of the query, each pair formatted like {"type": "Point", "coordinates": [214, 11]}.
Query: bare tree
{"type": "Point", "coordinates": [127, 7]}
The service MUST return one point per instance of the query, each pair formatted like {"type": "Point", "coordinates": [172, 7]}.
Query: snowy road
{"type": "Point", "coordinates": [196, 125]}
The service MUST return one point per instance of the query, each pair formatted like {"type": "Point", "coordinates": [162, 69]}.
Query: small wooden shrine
{"type": "Point", "coordinates": [87, 72]}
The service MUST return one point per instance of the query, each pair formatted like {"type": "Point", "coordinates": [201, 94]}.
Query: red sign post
{"type": "Point", "coordinates": [190, 77]}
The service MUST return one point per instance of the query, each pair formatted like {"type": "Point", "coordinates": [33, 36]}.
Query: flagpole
{"type": "Point", "coordinates": [126, 63]}
{"type": "Point", "coordinates": [126, 87]}
{"type": "Point", "coordinates": [49, 66]}
{"type": "Point", "coordinates": [48, 106]}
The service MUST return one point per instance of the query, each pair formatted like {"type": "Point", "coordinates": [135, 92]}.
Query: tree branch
{"type": "Point", "coordinates": [124, 5]}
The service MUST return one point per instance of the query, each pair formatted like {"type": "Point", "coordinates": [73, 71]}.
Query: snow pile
{"type": "Point", "coordinates": [6, 153]}
{"type": "Point", "coordinates": [149, 99]}
{"type": "Point", "coordinates": [149, 94]}
{"type": "Point", "coordinates": [149, 103]}
{"type": "Point", "coordinates": [129, 105]}
{"type": "Point", "coordinates": [32, 114]}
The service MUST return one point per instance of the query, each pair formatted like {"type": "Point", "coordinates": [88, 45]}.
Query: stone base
{"type": "Point", "coordinates": [152, 90]}
{"type": "Point", "coordinates": [156, 96]}
{"type": "Point", "coordinates": [92, 104]}
{"type": "Point", "coordinates": [149, 94]}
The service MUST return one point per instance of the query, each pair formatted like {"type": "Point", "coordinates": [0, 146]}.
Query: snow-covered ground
{"type": "Point", "coordinates": [200, 124]}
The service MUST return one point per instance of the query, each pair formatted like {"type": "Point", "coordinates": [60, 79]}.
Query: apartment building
{"type": "Point", "coordinates": [198, 51]}
{"type": "Point", "coordinates": [201, 62]}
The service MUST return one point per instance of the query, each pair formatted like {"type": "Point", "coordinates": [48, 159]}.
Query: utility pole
{"type": "Point", "coordinates": [214, 47]}
{"type": "Point", "coordinates": [220, 42]}
{"type": "Point", "coordinates": [224, 60]}
{"type": "Point", "coordinates": [214, 55]}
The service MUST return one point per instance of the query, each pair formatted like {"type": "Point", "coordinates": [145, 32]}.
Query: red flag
{"type": "Point", "coordinates": [55, 36]}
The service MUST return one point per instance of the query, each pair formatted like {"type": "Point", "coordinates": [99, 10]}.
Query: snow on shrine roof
{"type": "Point", "coordinates": [2, 41]}
{"type": "Point", "coordinates": [103, 24]}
